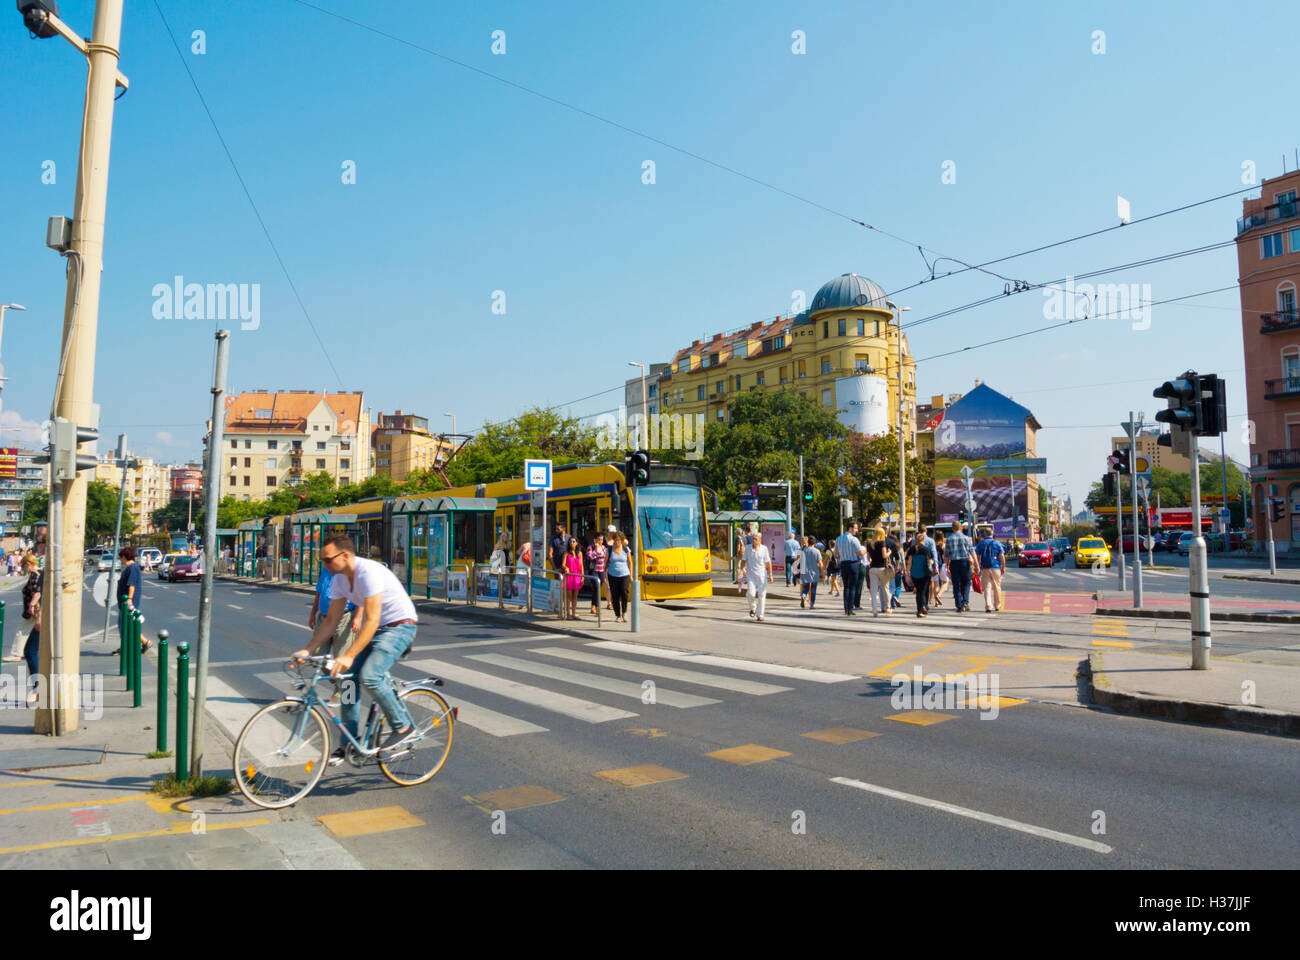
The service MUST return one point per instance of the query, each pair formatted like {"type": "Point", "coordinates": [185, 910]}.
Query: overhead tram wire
{"type": "Point", "coordinates": [249, 196]}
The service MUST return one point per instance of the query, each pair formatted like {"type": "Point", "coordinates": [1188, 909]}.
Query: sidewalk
{"type": "Point", "coordinates": [83, 800]}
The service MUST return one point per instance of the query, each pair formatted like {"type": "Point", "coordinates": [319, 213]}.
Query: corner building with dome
{"type": "Point", "coordinates": [842, 352]}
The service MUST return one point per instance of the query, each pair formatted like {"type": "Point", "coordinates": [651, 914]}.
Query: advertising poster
{"type": "Point", "coordinates": [774, 540]}
{"type": "Point", "coordinates": [516, 588]}
{"type": "Point", "coordinates": [487, 586]}
{"type": "Point", "coordinates": [437, 551]}
{"type": "Point", "coordinates": [397, 561]}
{"type": "Point", "coordinates": [981, 426]}
{"type": "Point", "coordinates": [457, 584]}
{"type": "Point", "coordinates": [8, 463]}
{"type": "Point", "coordinates": [862, 404]}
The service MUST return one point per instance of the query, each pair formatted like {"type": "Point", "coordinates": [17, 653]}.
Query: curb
{"type": "Point", "coordinates": [1259, 578]}
{"type": "Point", "coordinates": [1253, 720]}
{"type": "Point", "coordinates": [1215, 616]}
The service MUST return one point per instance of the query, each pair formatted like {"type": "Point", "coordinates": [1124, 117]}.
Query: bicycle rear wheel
{"type": "Point", "coordinates": [424, 756]}
{"type": "Point", "coordinates": [281, 754]}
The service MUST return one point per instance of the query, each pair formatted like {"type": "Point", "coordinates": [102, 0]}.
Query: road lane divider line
{"type": "Point", "coordinates": [76, 803]}
{"type": "Point", "coordinates": [1112, 643]}
{"type": "Point", "coordinates": [623, 688]}
{"type": "Point", "coordinates": [292, 623]}
{"type": "Point", "coordinates": [536, 696]}
{"type": "Point", "coordinates": [233, 607]}
{"type": "Point", "coordinates": [952, 808]}
{"type": "Point", "coordinates": [732, 663]}
{"type": "Point", "coordinates": [717, 680]}
{"type": "Point", "coordinates": [888, 669]}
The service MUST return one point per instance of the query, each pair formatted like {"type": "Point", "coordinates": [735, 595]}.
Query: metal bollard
{"type": "Point", "coordinates": [127, 628]}
{"type": "Point", "coordinates": [139, 658]}
{"type": "Point", "coordinates": [121, 636]}
{"type": "Point", "coordinates": [182, 710]}
{"type": "Point", "coordinates": [2, 622]}
{"type": "Point", "coordinates": [162, 690]}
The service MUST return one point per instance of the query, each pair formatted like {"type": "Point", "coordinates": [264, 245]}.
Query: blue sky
{"type": "Point", "coordinates": [466, 186]}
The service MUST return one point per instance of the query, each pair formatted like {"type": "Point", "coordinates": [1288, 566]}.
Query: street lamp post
{"type": "Point", "coordinates": [902, 446]}
{"type": "Point", "coordinates": [3, 308]}
{"type": "Point", "coordinates": [453, 422]}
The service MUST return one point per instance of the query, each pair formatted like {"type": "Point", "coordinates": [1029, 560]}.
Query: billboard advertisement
{"type": "Point", "coordinates": [8, 463]}
{"type": "Point", "coordinates": [862, 404]}
{"type": "Point", "coordinates": [982, 426]}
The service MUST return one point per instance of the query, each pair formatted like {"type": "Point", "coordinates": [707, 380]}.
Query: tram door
{"type": "Point", "coordinates": [585, 520]}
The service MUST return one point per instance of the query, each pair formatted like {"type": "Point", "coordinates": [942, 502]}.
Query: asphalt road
{"type": "Point", "coordinates": [1025, 790]}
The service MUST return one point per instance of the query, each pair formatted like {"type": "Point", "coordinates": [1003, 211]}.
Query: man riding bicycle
{"type": "Point", "coordinates": [387, 632]}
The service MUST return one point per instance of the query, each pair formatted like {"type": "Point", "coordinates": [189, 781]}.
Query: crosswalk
{"type": "Point", "coordinates": [521, 687]}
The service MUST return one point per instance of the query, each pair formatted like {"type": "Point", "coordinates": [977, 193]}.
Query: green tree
{"type": "Point", "coordinates": [871, 477]}
{"type": "Point", "coordinates": [500, 449]}
{"type": "Point", "coordinates": [173, 517]}
{"type": "Point", "coordinates": [101, 511]}
{"type": "Point", "coordinates": [36, 506]}
{"type": "Point", "coordinates": [231, 512]}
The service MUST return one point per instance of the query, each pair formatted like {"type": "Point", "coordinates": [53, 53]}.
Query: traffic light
{"type": "Point", "coordinates": [1214, 406]}
{"type": "Point", "coordinates": [1184, 397]}
{"type": "Point", "coordinates": [1108, 483]}
{"type": "Point", "coordinates": [1121, 461]}
{"type": "Point", "coordinates": [1278, 508]}
{"type": "Point", "coordinates": [637, 469]}
{"type": "Point", "coordinates": [807, 491]}
{"type": "Point", "coordinates": [64, 436]}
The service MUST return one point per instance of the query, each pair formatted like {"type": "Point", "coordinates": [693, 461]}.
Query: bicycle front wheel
{"type": "Point", "coordinates": [281, 754]}
{"type": "Point", "coordinates": [424, 756]}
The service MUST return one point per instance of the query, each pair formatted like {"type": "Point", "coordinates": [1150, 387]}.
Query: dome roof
{"type": "Point", "coordinates": [848, 291]}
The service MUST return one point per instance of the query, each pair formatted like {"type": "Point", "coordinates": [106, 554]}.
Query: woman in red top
{"type": "Point", "coordinates": [596, 557]}
{"type": "Point", "coordinates": [572, 578]}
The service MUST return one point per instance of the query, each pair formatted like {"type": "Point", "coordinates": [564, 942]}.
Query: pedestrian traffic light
{"type": "Point", "coordinates": [1184, 397]}
{"type": "Point", "coordinates": [807, 491]}
{"type": "Point", "coordinates": [63, 438]}
{"type": "Point", "coordinates": [1278, 506]}
{"type": "Point", "coordinates": [637, 469]}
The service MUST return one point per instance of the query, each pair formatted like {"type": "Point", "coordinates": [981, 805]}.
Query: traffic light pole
{"type": "Point", "coordinates": [1272, 553]}
{"type": "Point", "coordinates": [1198, 574]}
{"type": "Point", "coordinates": [1119, 526]}
{"type": "Point", "coordinates": [801, 495]}
{"type": "Point", "coordinates": [117, 536]}
{"type": "Point", "coordinates": [74, 386]}
{"type": "Point", "coordinates": [1137, 550]}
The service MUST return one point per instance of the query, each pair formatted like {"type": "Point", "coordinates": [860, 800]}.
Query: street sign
{"type": "Point", "coordinates": [890, 507]}
{"type": "Point", "coordinates": [537, 474]}
{"type": "Point", "coordinates": [539, 498]}
{"type": "Point", "coordinates": [1142, 464]}
{"type": "Point", "coordinates": [100, 589]}
{"type": "Point", "coordinates": [1225, 514]}
{"type": "Point", "coordinates": [1017, 465]}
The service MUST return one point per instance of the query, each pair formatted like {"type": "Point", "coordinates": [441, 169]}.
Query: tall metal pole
{"type": "Point", "coordinates": [117, 536]}
{"type": "Point", "coordinates": [1227, 521]}
{"type": "Point", "coordinates": [1268, 520]}
{"type": "Point", "coordinates": [801, 532]}
{"type": "Point", "coordinates": [1198, 574]}
{"type": "Point", "coordinates": [1119, 524]}
{"type": "Point", "coordinates": [902, 447]}
{"type": "Point", "coordinates": [1137, 548]}
{"type": "Point", "coordinates": [209, 551]}
{"type": "Point", "coordinates": [75, 383]}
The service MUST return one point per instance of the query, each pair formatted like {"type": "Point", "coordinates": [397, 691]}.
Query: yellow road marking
{"type": "Point", "coordinates": [639, 776]}
{"type": "Point", "coordinates": [174, 829]}
{"type": "Point", "coordinates": [1111, 643]}
{"type": "Point", "coordinates": [77, 803]}
{"type": "Point", "coordinates": [514, 798]}
{"type": "Point", "coordinates": [356, 823]}
{"type": "Point", "coordinates": [749, 753]}
{"type": "Point", "coordinates": [987, 702]}
{"type": "Point", "coordinates": [37, 783]}
{"type": "Point", "coordinates": [167, 804]}
{"type": "Point", "coordinates": [885, 670]}
{"type": "Point", "coordinates": [840, 735]}
{"type": "Point", "coordinates": [921, 718]}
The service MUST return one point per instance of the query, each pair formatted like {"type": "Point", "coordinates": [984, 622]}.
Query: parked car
{"type": "Point", "coordinates": [185, 568]}
{"type": "Point", "coordinates": [164, 567]}
{"type": "Point", "coordinates": [1060, 548]}
{"type": "Point", "coordinates": [1091, 550]}
{"type": "Point", "coordinates": [100, 559]}
{"type": "Point", "coordinates": [1185, 543]}
{"type": "Point", "coordinates": [1036, 555]}
{"type": "Point", "coordinates": [1171, 539]}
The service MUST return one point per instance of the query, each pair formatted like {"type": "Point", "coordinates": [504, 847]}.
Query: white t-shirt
{"type": "Point", "coordinates": [370, 578]}
{"type": "Point", "coordinates": [756, 562]}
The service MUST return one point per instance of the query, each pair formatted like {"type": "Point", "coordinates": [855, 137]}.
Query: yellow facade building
{"type": "Point", "coordinates": [842, 352]}
{"type": "Point", "coordinates": [402, 443]}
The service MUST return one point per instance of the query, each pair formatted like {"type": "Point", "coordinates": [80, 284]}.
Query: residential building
{"type": "Point", "coordinates": [148, 486]}
{"type": "Point", "coordinates": [277, 439]}
{"type": "Point", "coordinates": [186, 480]}
{"type": "Point", "coordinates": [842, 352]}
{"type": "Point", "coordinates": [401, 442]}
{"type": "Point", "coordinates": [1268, 271]}
{"type": "Point", "coordinates": [18, 477]}
{"type": "Point", "coordinates": [632, 389]}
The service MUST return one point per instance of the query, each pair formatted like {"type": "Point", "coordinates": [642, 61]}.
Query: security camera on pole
{"type": "Point", "coordinates": [1197, 407]}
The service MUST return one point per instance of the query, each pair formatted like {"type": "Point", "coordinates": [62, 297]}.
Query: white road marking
{"type": "Point", "coordinates": [976, 815]}
{"type": "Point", "coordinates": [536, 696]}
{"type": "Point", "coordinates": [233, 607]}
{"type": "Point", "coordinates": [731, 663]}
{"type": "Point", "coordinates": [244, 593]}
{"type": "Point", "coordinates": [246, 663]}
{"type": "Point", "coordinates": [292, 623]}
{"type": "Point", "coordinates": [184, 616]}
{"type": "Point", "coordinates": [624, 688]}
{"type": "Point", "coordinates": [658, 670]}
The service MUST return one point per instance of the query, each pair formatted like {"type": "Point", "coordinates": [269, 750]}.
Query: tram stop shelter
{"type": "Point", "coordinates": [435, 540]}
{"type": "Point", "coordinates": [726, 526]}
{"type": "Point", "coordinates": [249, 540]}
{"type": "Point", "coordinates": [308, 531]}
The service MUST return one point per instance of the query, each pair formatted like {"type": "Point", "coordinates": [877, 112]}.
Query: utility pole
{"type": "Point", "coordinates": [1199, 574]}
{"type": "Point", "coordinates": [75, 385]}
{"type": "Point", "coordinates": [1119, 526]}
{"type": "Point", "coordinates": [1223, 470]}
{"type": "Point", "coordinates": [1131, 428]}
{"type": "Point", "coordinates": [801, 533]}
{"type": "Point", "coordinates": [117, 536]}
{"type": "Point", "coordinates": [209, 553]}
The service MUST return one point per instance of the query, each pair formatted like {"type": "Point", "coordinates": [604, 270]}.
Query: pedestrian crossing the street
{"type": "Point", "coordinates": [521, 687]}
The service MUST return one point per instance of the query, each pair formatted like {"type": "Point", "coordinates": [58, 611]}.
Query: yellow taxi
{"type": "Point", "coordinates": [1090, 551]}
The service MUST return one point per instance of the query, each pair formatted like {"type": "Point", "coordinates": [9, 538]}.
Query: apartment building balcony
{"type": "Point", "coordinates": [1281, 387]}
{"type": "Point", "coordinates": [1273, 213]}
{"type": "Point", "coordinates": [1277, 322]}
{"type": "Point", "coordinates": [1279, 459]}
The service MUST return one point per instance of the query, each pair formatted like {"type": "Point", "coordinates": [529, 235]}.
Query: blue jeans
{"type": "Point", "coordinates": [897, 591]}
{"type": "Point", "coordinates": [850, 573]}
{"type": "Point", "coordinates": [810, 587]}
{"type": "Point", "coordinates": [32, 653]}
{"type": "Point", "coordinates": [371, 667]}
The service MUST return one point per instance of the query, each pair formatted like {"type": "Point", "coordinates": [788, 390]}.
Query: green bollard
{"type": "Point", "coordinates": [162, 690]}
{"type": "Point", "coordinates": [182, 710]}
{"type": "Point", "coordinates": [2, 622]}
{"type": "Point", "coordinates": [126, 648]}
{"type": "Point", "coordinates": [121, 636]}
{"type": "Point", "coordinates": [139, 658]}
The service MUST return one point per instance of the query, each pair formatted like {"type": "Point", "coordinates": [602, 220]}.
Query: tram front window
{"type": "Point", "coordinates": [671, 515]}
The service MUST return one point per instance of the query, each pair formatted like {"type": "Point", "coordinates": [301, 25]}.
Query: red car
{"type": "Point", "coordinates": [185, 568]}
{"type": "Point", "coordinates": [1036, 555]}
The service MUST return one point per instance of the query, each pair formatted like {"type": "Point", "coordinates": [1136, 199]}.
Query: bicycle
{"type": "Point", "coordinates": [283, 750]}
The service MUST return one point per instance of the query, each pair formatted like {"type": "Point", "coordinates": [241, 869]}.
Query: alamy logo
{"type": "Point", "coordinates": [1105, 301]}
{"type": "Point", "coordinates": [213, 301]}
{"type": "Point", "coordinates": [933, 692]}
{"type": "Point", "coordinates": [656, 431]}
{"type": "Point", "coordinates": [76, 913]}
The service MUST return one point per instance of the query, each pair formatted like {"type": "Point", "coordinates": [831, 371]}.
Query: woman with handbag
{"type": "Point", "coordinates": [920, 569]}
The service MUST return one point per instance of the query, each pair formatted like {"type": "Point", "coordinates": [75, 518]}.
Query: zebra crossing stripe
{"type": "Point", "coordinates": [624, 688]}
{"type": "Point", "coordinates": [535, 696]}
{"type": "Point", "coordinates": [730, 663]}
{"type": "Point", "coordinates": [697, 677]}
